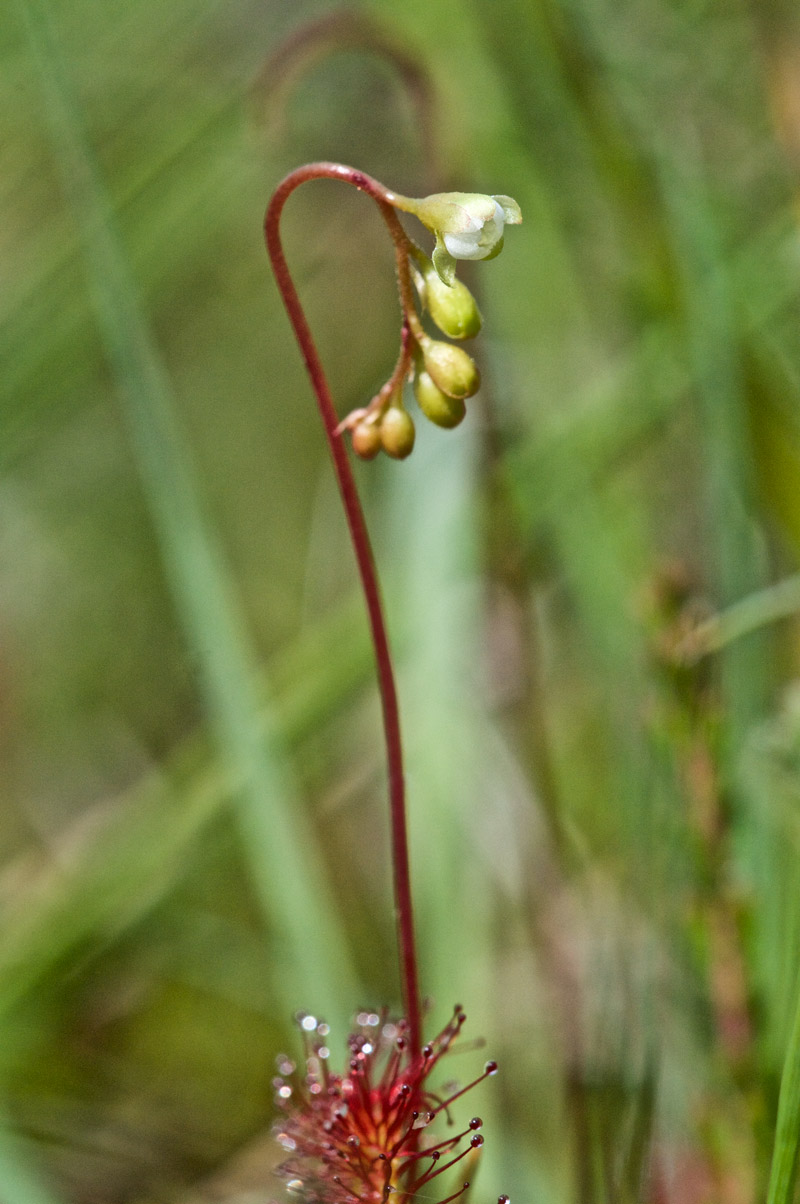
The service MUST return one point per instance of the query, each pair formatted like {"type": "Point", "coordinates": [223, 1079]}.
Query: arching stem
{"type": "Point", "coordinates": [361, 546]}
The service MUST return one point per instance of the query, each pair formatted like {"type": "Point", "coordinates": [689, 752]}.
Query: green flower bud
{"type": "Point", "coordinates": [454, 371]}
{"type": "Point", "coordinates": [443, 410]}
{"type": "Point", "coordinates": [452, 307]}
{"type": "Point", "coordinates": [397, 432]}
{"type": "Point", "coordinates": [366, 438]}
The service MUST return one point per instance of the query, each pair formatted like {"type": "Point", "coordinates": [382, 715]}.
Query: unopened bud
{"type": "Point", "coordinates": [452, 307]}
{"type": "Point", "coordinates": [397, 432]}
{"type": "Point", "coordinates": [366, 438]}
{"type": "Point", "coordinates": [467, 225]}
{"type": "Point", "coordinates": [443, 410]}
{"type": "Point", "coordinates": [454, 371]}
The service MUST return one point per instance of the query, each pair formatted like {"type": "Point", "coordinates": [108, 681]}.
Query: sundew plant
{"type": "Point", "coordinates": [363, 1134]}
{"type": "Point", "coordinates": [589, 583]}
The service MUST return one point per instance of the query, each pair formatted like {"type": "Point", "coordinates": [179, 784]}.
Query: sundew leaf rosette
{"type": "Point", "coordinates": [364, 1134]}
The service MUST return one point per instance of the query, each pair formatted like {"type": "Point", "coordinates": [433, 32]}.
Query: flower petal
{"type": "Point", "coordinates": [496, 249]}
{"type": "Point", "coordinates": [511, 210]}
{"type": "Point", "coordinates": [464, 246]}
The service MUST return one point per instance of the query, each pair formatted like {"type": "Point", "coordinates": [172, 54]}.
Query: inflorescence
{"type": "Point", "coordinates": [361, 1137]}
{"type": "Point", "coordinates": [466, 226]}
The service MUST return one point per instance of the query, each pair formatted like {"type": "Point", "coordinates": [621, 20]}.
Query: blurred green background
{"type": "Point", "coordinates": [592, 586]}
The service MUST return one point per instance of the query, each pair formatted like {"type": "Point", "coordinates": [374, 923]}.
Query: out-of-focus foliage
{"type": "Point", "coordinates": [592, 585]}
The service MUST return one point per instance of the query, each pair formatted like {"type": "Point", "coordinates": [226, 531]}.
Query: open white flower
{"type": "Point", "coordinates": [467, 225]}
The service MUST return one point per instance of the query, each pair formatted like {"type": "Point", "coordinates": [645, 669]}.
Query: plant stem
{"type": "Point", "coordinates": [363, 552]}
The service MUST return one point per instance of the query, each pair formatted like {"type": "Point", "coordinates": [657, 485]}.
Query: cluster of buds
{"type": "Point", "coordinates": [363, 1135]}
{"type": "Point", "coordinates": [466, 226]}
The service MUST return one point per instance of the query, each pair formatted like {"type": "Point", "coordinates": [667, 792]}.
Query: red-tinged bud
{"type": "Point", "coordinates": [366, 438]}
{"type": "Point", "coordinates": [437, 406]}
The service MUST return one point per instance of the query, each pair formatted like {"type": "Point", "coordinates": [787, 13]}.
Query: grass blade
{"type": "Point", "coordinates": [787, 1130]}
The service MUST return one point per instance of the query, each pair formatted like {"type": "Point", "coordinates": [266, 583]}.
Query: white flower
{"type": "Point", "coordinates": [467, 225]}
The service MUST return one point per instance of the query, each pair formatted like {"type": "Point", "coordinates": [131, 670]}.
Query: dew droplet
{"type": "Point", "coordinates": [490, 1068]}
{"type": "Point", "coordinates": [308, 1023]}
{"type": "Point", "coordinates": [422, 1119]}
{"type": "Point", "coordinates": [323, 1029]}
{"type": "Point", "coordinates": [373, 1019]}
{"type": "Point", "coordinates": [324, 1052]}
{"type": "Point", "coordinates": [476, 1122]}
{"type": "Point", "coordinates": [427, 1051]}
{"type": "Point", "coordinates": [504, 1199]}
{"type": "Point", "coordinates": [476, 1141]}
{"type": "Point", "coordinates": [285, 1091]}
{"type": "Point", "coordinates": [294, 1185]}
{"type": "Point", "coordinates": [366, 1048]}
